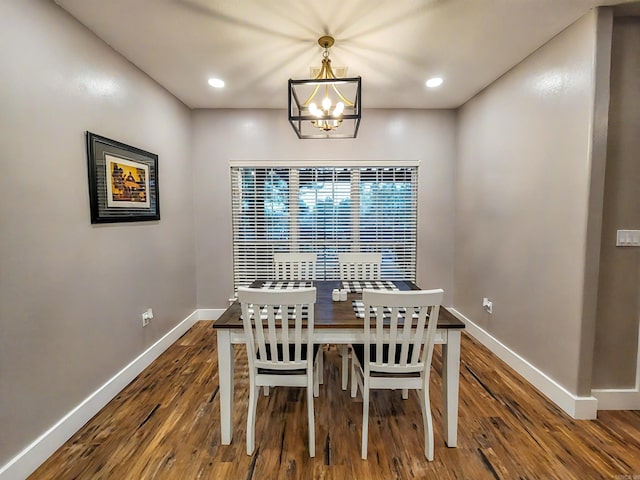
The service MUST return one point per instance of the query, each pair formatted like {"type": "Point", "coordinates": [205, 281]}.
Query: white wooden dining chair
{"type": "Point", "coordinates": [399, 333]}
{"type": "Point", "coordinates": [278, 326]}
{"type": "Point", "coordinates": [295, 266]}
{"type": "Point", "coordinates": [298, 266]}
{"type": "Point", "coordinates": [356, 266]}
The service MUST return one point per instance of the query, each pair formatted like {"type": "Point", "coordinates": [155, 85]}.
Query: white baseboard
{"type": "Point", "coordinates": [580, 408]}
{"type": "Point", "coordinates": [27, 461]}
{"type": "Point", "coordinates": [621, 399]}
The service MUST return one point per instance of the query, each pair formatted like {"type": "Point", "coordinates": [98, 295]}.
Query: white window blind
{"type": "Point", "coordinates": [326, 210]}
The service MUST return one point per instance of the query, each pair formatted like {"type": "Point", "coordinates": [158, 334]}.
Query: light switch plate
{"type": "Point", "coordinates": [628, 238]}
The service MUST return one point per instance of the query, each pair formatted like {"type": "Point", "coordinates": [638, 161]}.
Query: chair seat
{"type": "Point", "coordinates": [358, 351]}
{"type": "Point", "coordinates": [298, 371]}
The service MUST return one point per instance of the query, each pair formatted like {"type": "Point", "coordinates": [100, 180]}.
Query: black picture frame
{"type": "Point", "coordinates": [123, 181]}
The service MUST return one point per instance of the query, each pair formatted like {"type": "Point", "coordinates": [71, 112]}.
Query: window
{"type": "Point", "coordinates": [325, 210]}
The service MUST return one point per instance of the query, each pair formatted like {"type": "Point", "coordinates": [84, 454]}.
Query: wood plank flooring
{"type": "Point", "coordinates": [166, 425]}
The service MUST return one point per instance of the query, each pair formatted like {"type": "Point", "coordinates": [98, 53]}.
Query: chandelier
{"type": "Point", "coordinates": [330, 106]}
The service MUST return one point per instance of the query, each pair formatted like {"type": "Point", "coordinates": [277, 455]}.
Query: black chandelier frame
{"type": "Point", "coordinates": [299, 114]}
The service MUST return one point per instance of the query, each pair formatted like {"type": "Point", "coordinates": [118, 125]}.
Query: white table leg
{"type": "Point", "coordinates": [450, 386]}
{"type": "Point", "coordinates": [225, 377]}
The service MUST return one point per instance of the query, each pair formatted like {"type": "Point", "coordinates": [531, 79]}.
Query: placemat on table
{"type": "Point", "coordinates": [287, 284]}
{"type": "Point", "coordinates": [356, 286]}
{"type": "Point", "coordinates": [358, 307]}
{"type": "Point", "coordinates": [305, 313]}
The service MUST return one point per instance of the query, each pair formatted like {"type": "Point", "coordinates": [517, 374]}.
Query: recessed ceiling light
{"type": "Point", "coordinates": [434, 82]}
{"type": "Point", "coordinates": [216, 82]}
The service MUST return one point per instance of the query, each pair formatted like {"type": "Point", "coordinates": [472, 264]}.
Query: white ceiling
{"type": "Point", "coordinates": [255, 46]}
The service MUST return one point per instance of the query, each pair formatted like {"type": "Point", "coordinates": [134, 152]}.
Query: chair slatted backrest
{"type": "Point", "coordinates": [402, 321]}
{"type": "Point", "coordinates": [360, 266]}
{"type": "Point", "coordinates": [277, 323]}
{"type": "Point", "coordinates": [295, 266]}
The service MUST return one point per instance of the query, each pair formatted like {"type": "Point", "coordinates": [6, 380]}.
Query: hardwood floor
{"type": "Point", "coordinates": [166, 425]}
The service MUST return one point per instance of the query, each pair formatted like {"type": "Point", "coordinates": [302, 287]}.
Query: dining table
{"type": "Point", "coordinates": [336, 322]}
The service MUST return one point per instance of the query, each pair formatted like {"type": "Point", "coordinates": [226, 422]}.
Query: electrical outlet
{"type": "Point", "coordinates": [146, 317]}
{"type": "Point", "coordinates": [487, 304]}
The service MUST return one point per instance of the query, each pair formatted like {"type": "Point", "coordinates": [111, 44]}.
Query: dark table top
{"type": "Point", "coordinates": [330, 314]}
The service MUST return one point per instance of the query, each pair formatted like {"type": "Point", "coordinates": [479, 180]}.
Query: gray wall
{"type": "Point", "coordinates": [616, 342]}
{"type": "Point", "coordinates": [264, 135]}
{"type": "Point", "coordinates": [71, 294]}
{"type": "Point", "coordinates": [523, 177]}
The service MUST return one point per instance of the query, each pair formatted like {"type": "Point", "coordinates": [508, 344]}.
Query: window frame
{"type": "Point", "coordinates": [261, 260]}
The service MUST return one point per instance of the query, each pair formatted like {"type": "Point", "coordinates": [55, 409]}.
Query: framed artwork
{"type": "Point", "coordinates": [123, 182]}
